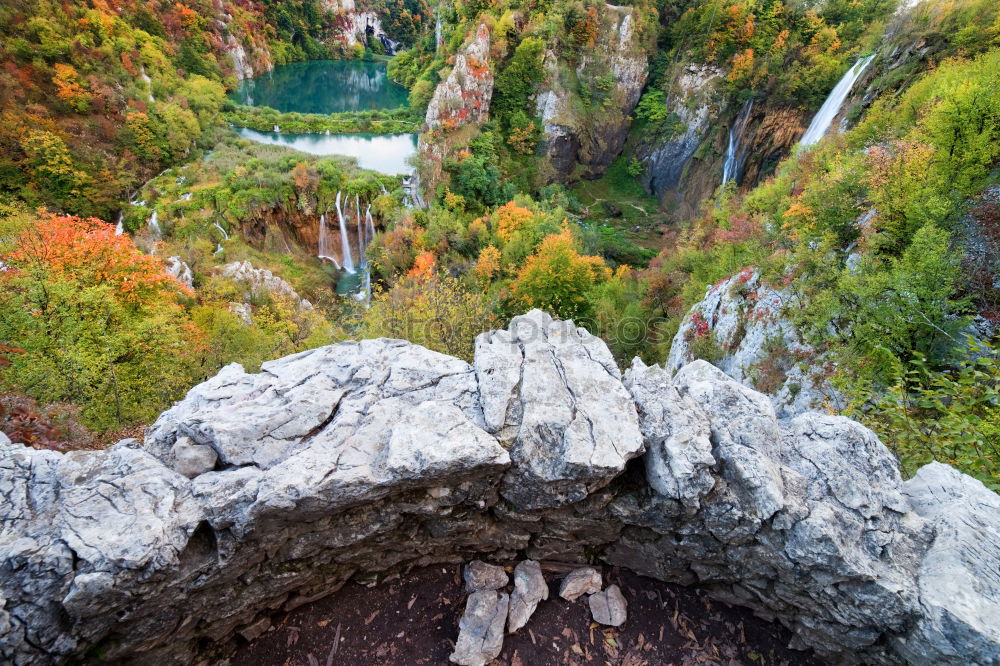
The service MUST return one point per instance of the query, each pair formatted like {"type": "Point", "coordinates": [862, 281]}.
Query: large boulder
{"type": "Point", "coordinates": [960, 575]}
{"type": "Point", "coordinates": [804, 521]}
{"type": "Point", "coordinates": [552, 393]}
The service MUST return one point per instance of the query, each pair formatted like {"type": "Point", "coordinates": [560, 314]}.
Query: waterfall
{"type": "Point", "coordinates": [276, 128]}
{"type": "Point", "coordinates": [348, 262]}
{"type": "Point", "coordinates": [437, 32]}
{"type": "Point", "coordinates": [734, 154]}
{"type": "Point", "coordinates": [831, 107]}
{"type": "Point", "coordinates": [323, 251]}
{"type": "Point", "coordinates": [120, 227]}
{"type": "Point", "coordinates": [225, 236]}
{"type": "Point", "coordinates": [370, 223]}
{"type": "Point", "coordinates": [361, 231]}
{"type": "Point", "coordinates": [154, 225]}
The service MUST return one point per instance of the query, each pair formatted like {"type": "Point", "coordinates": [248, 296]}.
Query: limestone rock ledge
{"type": "Point", "coordinates": [367, 457]}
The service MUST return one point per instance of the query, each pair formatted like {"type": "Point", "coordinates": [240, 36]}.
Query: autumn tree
{"type": "Point", "coordinates": [432, 310]}
{"type": "Point", "coordinates": [100, 323]}
{"type": "Point", "coordinates": [558, 279]}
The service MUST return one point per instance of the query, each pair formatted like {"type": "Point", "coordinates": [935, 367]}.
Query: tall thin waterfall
{"type": "Point", "coordinates": [120, 226]}
{"type": "Point", "coordinates": [348, 261]}
{"type": "Point", "coordinates": [323, 251]}
{"type": "Point", "coordinates": [225, 235]}
{"type": "Point", "coordinates": [361, 231]}
{"type": "Point", "coordinates": [734, 152]}
{"type": "Point", "coordinates": [831, 107]}
{"type": "Point", "coordinates": [437, 32]}
{"type": "Point", "coordinates": [370, 223]}
{"type": "Point", "coordinates": [154, 225]}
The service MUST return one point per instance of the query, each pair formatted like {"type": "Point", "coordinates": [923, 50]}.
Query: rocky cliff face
{"type": "Point", "coordinates": [464, 97]}
{"type": "Point", "coordinates": [684, 168]}
{"type": "Point", "coordinates": [592, 139]}
{"type": "Point", "coordinates": [265, 491]}
{"type": "Point", "coordinates": [358, 27]}
{"type": "Point", "coordinates": [741, 323]}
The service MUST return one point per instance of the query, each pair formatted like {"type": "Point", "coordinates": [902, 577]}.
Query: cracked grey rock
{"type": "Point", "coordinates": [372, 457]}
{"type": "Point", "coordinates": [609, 607]}
{"type": "Point", "coordinates": [819, 494]}
{"type": "Point", "coordinates": [960, 575]}
{"type": "Point", "coordinates": [747, 318]}
{"type": "Point", "coordinates": [552, 393]}
{"type": "Point", "coordinates": [530, 588]}
{"type": "Point", "coordinates": [480, 631]}
{"type": "Point", "coordinates": [192, 459]}
{"type": "Point", "coordinates": [585, 580]}
{"type": "Point", "coordinates": [677, 436]}
{"type": "Point", "coordinates": [481, 576]}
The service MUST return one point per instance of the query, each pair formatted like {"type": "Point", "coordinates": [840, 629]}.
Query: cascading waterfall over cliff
{"type": "Point", "coordinates": [734, 154]}
{"type": "Point", "coordinates": [344, 257]}
{"type": "Point", "coordinates": [323, 251]}
{"type": "Point", "coordinates": [345, 243]}
{"type": "Point", "coordinates": [831, 107]}
{"type": "Point", "coordinates": [154, 225]}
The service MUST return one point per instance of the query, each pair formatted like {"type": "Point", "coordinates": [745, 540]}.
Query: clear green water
{"type": "Point", "coordinates": [323, 86]}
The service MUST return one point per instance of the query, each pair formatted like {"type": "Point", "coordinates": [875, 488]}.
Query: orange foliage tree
{"type": "Point", "coordinates": [100, 324]}
{"type": "Point", "coordinates": [558, 279]}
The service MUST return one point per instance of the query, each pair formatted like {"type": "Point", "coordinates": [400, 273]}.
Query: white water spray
{"type": "Point", "coordinates": [154, 225]}
{"type": "Point", "coordinates": [348, 261]}
{"type": "Point", "coordinates": [120, 226]}
{"type": "Point", "coordinates": [734, 154]}
{"type": "Point", "coordinates": [225, 236]}
{"type": "Point", "coordinates": [831, 107]}
{"type": "Point", "coordinates": [361, 231]}
{"type": "Point", "coordinates": [323, 251]}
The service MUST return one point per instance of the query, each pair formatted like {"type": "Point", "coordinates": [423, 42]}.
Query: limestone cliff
{"type": "Point", "coordinates": [463, 98]}
{"type": "Point", "coordinates": [264, 491]}
{"type": "Point", "coordinates": [685, 166]}
{"type": "Point", "coordinates": [741, 322]}
{"type": "Point", "coordinates": [583, 137]}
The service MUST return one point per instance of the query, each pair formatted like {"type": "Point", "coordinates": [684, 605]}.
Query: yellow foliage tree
{"type": "Point", "coordinates": [558, 279]}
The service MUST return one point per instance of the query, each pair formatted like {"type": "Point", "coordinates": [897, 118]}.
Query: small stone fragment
{"type": "Point", "coordinates": [609, 607]}
{"type": "Point", "coordinates": [192, 459]}
{"type": "Point", "coordinates": [585, 580]}
{"type": "Point", "coordinates": [480, 631]}
{"type": "Point", "coordinates": [481, 576]}
{"type": "Point", "coordinates": [529, 589]}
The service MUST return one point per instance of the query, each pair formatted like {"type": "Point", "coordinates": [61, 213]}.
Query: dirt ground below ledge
{"type": "Point", "coordinates": [414, 620]}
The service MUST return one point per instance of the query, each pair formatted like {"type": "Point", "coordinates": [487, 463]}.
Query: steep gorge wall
{"type": "Point", "coordinates": [685, 167]}
{"type": "Point", "coordinates": [579, 140]}
{"type": "Point", "coordinates": [265, 491]}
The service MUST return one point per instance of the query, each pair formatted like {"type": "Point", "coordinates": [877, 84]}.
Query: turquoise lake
{"type": "Point", "coordinates": [323, 86]}
{"type": "Point", "coordinates": [332, 86]}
